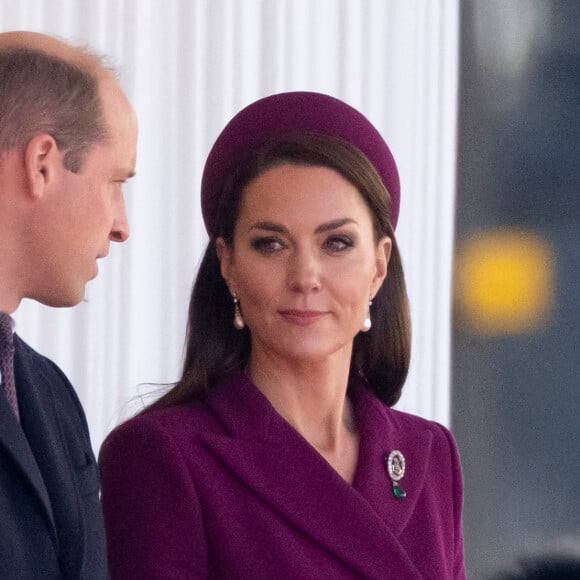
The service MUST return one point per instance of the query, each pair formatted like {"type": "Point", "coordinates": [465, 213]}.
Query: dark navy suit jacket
{"type": "Point", "coordinates": [51, 524]}
{"type": "Point", "coordinates": [228, 489]}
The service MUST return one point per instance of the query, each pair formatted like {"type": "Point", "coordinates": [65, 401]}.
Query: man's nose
{"type": "Point", "coordinates": [120, 229]}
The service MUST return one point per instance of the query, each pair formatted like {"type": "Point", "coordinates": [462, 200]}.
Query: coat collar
{"type": "Point", "coordinates": [271, 458]}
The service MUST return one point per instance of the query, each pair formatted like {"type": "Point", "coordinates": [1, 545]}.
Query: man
{"type": "Point", "coordinates": [67, 144]}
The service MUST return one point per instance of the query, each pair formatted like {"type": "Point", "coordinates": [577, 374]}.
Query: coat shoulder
{"type": "Point", "coordinates": [30, 365]}
{"type": "Point", "coordinates": [170, 427]}
{"type": "Point", "coordinates": [408, 421]}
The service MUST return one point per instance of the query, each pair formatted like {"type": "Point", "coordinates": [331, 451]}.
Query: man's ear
{"type": "Point", "coordinates": [42, 161]}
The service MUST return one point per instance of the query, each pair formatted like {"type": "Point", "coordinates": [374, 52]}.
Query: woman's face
{"type": "Point", "coordinates": [304, 262]}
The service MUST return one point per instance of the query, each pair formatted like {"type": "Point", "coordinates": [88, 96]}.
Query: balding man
{"type": "Point", "coordinates": [67, 145]}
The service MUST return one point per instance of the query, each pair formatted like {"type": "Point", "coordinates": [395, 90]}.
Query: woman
{"type": "Point", "coordinates": [277, 454]}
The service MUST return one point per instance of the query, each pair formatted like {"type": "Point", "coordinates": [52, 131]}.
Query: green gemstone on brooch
{"type": "Point", "coordinates": [399, 492]}
{"type": "Point", "coordinates": [396, 466]}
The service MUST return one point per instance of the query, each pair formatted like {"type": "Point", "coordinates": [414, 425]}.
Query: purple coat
{"type": "Point", "coordinates": [228, 489]}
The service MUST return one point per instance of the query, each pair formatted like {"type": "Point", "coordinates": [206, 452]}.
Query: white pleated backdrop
{"type": "Point", "coordinates": [188, 66]}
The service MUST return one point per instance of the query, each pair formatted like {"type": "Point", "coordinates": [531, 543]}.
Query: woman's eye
{"type": "Point", "coordinates": [338, 243]}
{"type": "Point", "coordinates": [267, 245]}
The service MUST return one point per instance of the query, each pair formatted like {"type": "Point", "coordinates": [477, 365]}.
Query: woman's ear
{"type": "Point", "coordinates": [42, 162]}
{"type": "Point", "coordinates": [224, 254]}
{"type": "Point", "coordinates": [383, 255]}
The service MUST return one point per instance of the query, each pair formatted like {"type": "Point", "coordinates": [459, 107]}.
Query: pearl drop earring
{"type": "Point", "coordinates": [238, 319]}
{"type": "Point", "coordinates": [366, 325]}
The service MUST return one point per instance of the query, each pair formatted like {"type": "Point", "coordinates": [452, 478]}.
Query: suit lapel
{"type": "Point", "coordinates": [44, 432]}
{"type": "Point", "coordinates": [286, 473]}
{"type": "Point", "coordinates": [13, 439]}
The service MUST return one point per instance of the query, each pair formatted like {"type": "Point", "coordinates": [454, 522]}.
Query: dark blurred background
{"type": "Point", "coordinates": [516, 363]}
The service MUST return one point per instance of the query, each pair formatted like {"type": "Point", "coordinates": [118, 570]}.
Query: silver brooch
{"type": "Point", "coordinates": [396, 471]}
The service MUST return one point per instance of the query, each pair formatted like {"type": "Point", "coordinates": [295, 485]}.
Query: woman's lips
{"type": "Point", "coordinates": [302, 317]}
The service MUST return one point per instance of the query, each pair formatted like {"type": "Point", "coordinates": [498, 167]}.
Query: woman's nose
{"type": "Point", "coordinates": [304, 272]}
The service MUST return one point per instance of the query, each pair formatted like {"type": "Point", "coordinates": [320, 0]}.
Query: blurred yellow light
{"type": "Point", "coordinates": [504, 282]}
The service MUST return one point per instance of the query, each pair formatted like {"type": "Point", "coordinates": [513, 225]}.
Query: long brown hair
{"type": "Point", "coordinates": [214, 347]}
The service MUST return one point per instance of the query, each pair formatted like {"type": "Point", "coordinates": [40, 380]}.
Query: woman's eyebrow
{"type": "Point", "coordinates": [269, 226]}
{"type": "Point", "coordinates": [334, 224]}
{"type": "Point", "coordinates": [325, 227]}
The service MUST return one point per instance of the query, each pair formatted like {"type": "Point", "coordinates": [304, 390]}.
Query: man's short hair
{"type": "Point", "coordinates": [43, 94]}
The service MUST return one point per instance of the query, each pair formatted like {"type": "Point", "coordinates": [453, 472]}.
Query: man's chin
{"type": "Point", "coordinates": [62, 299]}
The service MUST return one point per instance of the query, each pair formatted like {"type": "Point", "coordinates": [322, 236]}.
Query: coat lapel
{"type": "Point", "coordinates": [380, 435]}
{"type": "Point", "coordinates": [272, 459]}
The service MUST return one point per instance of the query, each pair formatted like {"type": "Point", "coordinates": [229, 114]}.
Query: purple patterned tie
{"type": "Point", "coordinates": [7, 362]}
